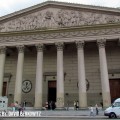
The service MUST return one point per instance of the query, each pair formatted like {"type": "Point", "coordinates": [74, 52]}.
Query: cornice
{"type": "Point", "coordinates": [58, 30]}
{"type": "Point", "coordinates": [65, 4]}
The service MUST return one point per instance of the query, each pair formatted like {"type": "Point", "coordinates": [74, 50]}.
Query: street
{"type": "Point", "coordinates": [57, 118]}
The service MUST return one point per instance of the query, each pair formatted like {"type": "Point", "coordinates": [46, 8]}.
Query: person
{"type": "Point", "coordinates": [77, 105]}
{"type": "Point", "coordinates": [16, 105]}
{"type": "Point", "coordinates": [96, 108]}
{"type": "Point", "coordinates": [91, 111]}
{"type": "Point", "coordinates": [67, 108]}
{"type": "Point", "coordinates": [101, 104]}
{"type": "Point", "coordinates": [74, 105]}
{"type": "Point", "coordinates": [13, 107]}
{"type": "Point", "coordinates": [19, 109]}
{"type": "Point", "coordinates": [51, 105]}
{"type": "Point", "coordinates": [24, 103]}
{"type": "Point", "coordinates": [46, 105]}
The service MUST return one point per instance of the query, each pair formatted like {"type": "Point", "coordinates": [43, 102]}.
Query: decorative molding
{"type": "Point", "coordinates": [80, 44]}
{"type": "Point", "coordinates": [101, 43]}
{"type": "Point", "coordinates": [20, 48]}
{"type": "Point", "coordinates": [59, 45]}
{"type": "Point", "coordinates": [57, 18]}
{"type": "Point", "coordinates": [39, 47]}
{"type": "Point", "coordinates": [52, 36]}
{"type": "Point", "coordinates": [3, 49]}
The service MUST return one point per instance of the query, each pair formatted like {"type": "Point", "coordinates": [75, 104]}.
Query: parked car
{"type": "Point", "coordinates": [114, 110]}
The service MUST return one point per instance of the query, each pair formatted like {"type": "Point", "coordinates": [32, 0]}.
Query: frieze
{"type": "Point", "coordinates": [43, 37]}
{"type": "Point", "coordinates": [57, 18]}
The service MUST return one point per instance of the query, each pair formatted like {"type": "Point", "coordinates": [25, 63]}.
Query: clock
{"type": "Point", "coordinates": [26, 86]}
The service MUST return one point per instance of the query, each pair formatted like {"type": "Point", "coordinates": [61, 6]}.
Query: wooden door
{"type": "Point", "coordinates": [4, 88]}
{"type": "Point", "coordinates": [52, 91]}
{"type": "Point", "coordinates": [115, 89]}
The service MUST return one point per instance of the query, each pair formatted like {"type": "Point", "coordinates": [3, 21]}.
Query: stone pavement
{"type": "Point", "coordinates": [63, 113]}
{"type": "Point", "coordinates": [69, 113]}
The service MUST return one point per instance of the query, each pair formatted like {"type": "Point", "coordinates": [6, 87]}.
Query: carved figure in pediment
{"type": "Point", "coordinates": [110, 19]}
{"type": "Point", "coordinates": [74, 18]}
{"type": "Point", "coordinates": [90, 19]}
{"type": "Point", "coordinates": [48, 20]}
{"type": "Point", "coordinates": [39, 20]}
{"type": "Point", "coordinates": [2, 27]}
{"type": "Point", "coordinates": [59, 18]}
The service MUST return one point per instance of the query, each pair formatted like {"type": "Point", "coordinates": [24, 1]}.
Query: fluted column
{"type": "Point", "coordinates": [19, 74]}
{"type": "Point", "coordinates": [81, 75]}
{"type": "Point", "coordinates": [39, 77]}
{"type": "Point", "coordinates": [104, 73]}
{"type": "Point", "coordinates": [60, 76]}
{"type": "Point", "coordinates": [2, 65]}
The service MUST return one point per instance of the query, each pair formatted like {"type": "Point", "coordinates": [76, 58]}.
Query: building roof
{"type": "Point", "coordinates": [65, 4]}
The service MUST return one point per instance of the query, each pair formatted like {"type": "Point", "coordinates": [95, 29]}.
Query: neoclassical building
{"type": "Point", "coordinates": [60, 52]}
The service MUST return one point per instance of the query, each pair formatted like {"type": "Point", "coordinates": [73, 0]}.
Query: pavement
{"type": "Point", "coordinates": [55, 113]}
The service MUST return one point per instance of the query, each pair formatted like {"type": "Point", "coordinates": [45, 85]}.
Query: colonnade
{"type": "Point", "coordinates": [60, 74]}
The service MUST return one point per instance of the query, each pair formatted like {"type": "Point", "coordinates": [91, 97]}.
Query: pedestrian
{"type": "Point", "coordinates": [67, 105]}
{"type": "Point", "coordinates": [74, 105]}
{"type": "Point", "coordinates": [20, 109]}
{"type": "Point", "coordinates": [91, 111]}
{"type": "Point", "coordinates": [96, 108]}
{"type": "Point", "coordinates": [77, 105]}
{"type": "Point", "coordinates": [16, 105]}
{"type": "Point", "coordinates": [101, 104]}
{"type": "Point", "coordinates": [13, 107]}
{"type": "Point", "coordinates": [46, 105]}
{"type": "Point", "coordinates": [51, 105]}
{"type": "Point", "coordinates": [24, 104]}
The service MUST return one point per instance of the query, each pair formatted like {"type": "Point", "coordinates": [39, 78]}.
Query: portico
{"type": "Point", "coordinates": [77, 58]}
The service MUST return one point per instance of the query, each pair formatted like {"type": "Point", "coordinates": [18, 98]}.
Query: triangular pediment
{"type": "Point", "coordinates": [53, 15]}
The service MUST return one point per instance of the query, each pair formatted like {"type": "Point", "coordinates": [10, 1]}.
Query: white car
{"type": "Point", "coordinates": [114, 110]}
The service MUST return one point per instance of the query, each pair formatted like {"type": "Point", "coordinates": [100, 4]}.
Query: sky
{"type": "Point", "coordinates": [10, 6]}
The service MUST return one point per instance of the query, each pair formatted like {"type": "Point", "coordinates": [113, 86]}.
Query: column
{"type": "Point", "coordinates": [81, 75]}
{"type": "Point", "coordinates": [2, 65]}
{"type": "Point", "coordinates": [39, 77]}
{"type": "Point", "coordinates": [19, 74]}
{"type": "Point", "coordinates": [104, 73]}
{"type": "Point", "coordinates": [60, 76]}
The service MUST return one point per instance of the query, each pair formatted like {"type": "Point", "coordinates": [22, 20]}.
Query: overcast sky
{"type": "Point", "coordinates": [9, 6]}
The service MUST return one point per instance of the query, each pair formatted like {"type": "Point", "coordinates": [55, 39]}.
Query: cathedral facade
{"type": "Point", "coordinates": [60, 52]}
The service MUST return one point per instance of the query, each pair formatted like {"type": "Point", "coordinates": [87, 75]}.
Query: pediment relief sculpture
{"type": "Point", "coordinates": [57, 18]}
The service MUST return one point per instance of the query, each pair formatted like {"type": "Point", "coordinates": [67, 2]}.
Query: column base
{"type": "Point", "coordinates": [84, 108]}
{"type": "Point", "coordinates": [38, 108]}
{"type": "Point", "coordinates": [60, 108]}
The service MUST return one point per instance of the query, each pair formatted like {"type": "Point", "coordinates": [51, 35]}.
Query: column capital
{"type": "Point", "coordinates": [59, 45]}
{"type": "Point", "coordinates": [39, 47]}
{"type": "Point", "coordinates": [2, 49]}
{"type": "Point", "coordinates": [20, 48]}
{"type": "Point", "coordinates": [101, 43]}
{"type": "Point", "coordinates": [80, 44]}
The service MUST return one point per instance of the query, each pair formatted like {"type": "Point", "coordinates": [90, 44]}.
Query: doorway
{"type": "Point", "coordinates": [4, 89]}
{"type": "Point", "coordinates": [52, 91]}
{"type": "Point", "coordinates": [114, 89]}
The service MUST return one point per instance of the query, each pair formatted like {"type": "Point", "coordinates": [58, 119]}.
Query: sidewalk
{"type": "Point", "coordinates": [60, 113]}
{"type": "Point", "coordinates": [69, 113]}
